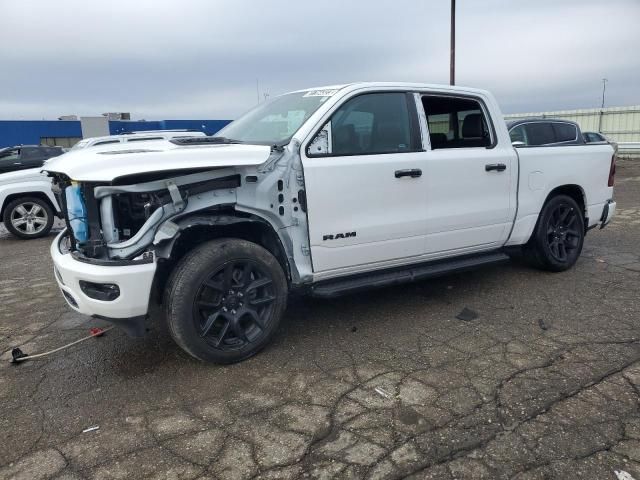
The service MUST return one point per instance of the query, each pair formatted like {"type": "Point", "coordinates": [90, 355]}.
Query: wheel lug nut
{"type": "Point", "coordinates": [224, 309]}
{"type": "Point", "coordinates": [233, 312]}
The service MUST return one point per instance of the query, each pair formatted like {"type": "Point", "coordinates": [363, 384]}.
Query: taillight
{"type": "Point", "coordinates": [612, 171]}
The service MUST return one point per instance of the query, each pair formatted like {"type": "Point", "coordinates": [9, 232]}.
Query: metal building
{"type": "Point", "coordinates": [66, 133]}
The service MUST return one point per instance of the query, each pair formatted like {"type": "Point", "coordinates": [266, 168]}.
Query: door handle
{"type": "Point", "coordinates": [409, 172]}
{"type": "Point", "coordinates": [498, 167]}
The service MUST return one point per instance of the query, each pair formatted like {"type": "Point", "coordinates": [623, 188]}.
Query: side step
{"type": "Point", "coordinates": [383, 278]}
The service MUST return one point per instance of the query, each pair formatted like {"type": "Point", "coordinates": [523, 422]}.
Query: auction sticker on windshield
{"type": "Point", "coordinates": [320, 93]}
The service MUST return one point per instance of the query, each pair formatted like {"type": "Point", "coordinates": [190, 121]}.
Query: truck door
{"type": "Point", "coordinates": [365, 184]}
{"type": "Point", "coordinates": [470, 202]}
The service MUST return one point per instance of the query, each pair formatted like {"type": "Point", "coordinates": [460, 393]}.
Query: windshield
{"type": "Point", "coordinates": [275, 122]}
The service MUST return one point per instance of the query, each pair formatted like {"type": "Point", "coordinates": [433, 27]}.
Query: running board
{"type": "Point", "coordinates": [411, 273]}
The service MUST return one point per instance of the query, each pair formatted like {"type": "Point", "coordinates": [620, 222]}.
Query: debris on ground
{"type": "Point", "coordinates": [91, 429]}
{"type": "Point", "coordinates": [543, 325]}
{"type": "Point", "coordinates": [467, 315]}
{"type": "Point", "coordinates": [381, 392]}
{"type": "Point", "coordinates": [622, 475]}
{"type": "Point", "coordinates": [354, 329]}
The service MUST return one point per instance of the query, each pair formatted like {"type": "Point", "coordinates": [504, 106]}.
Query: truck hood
{"type": "Point", "coordinates": [105, 165]}
{"type": "Point", "coordinates": [22, 176]}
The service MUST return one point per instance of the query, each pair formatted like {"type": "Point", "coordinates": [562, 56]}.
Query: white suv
{"type": "Point", "coordinates": [133, 137]}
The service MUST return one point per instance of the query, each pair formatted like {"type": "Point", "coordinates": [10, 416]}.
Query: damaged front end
{"type": "Point", "coordinates": [138, 217]}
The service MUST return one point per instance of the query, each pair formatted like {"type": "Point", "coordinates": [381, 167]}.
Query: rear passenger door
{"type": "Point", "coordinates": [468, 177]}
{"type": "Point", "coordinates": [366, 191]}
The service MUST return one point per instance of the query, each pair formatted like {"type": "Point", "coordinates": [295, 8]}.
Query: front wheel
{"type": "Point", "coordinates": [224, 300]}
{"type": "Point", "coordinates": [28, 217]}
{"type": "Point", "coordinates": [557, 240]}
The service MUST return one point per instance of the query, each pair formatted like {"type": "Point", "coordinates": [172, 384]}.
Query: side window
{"type": "Point", "coordinates": [106, 142]}
{"type": "Point", "coordinates": [518, 134]}
{"type": "Point", "coordinates": [9, 156]}
{"type": "Point", "coordinates": [32, 155]}
{"type": "Point", "coordinates": [365, 125]}
{"type": "Point", "coordinates": [565, 132]}
{"type": "Point", "coordinates": [540, 134]}
{"type": "Point", "coordinates": [455, 122]}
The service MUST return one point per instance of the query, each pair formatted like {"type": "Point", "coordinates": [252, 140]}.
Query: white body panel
{"type": "Point", "coordinates": [544, 168]}
{"type": "Point", "coordinates": [105, 165]}
{"type": "Point", "coordinates": [360, 193]}
{"type": "Point", "coordinates": [24, 182]}
{"type": "Point", "coordinates": [134, 282]}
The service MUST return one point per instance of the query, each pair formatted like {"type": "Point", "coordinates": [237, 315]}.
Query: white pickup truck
{"type": "Point", "coordinates": [322, 191]}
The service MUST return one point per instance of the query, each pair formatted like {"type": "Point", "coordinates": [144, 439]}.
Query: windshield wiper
{"type": "Point", "coordinates": [204, 140]}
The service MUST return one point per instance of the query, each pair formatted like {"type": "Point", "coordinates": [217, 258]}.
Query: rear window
{"type": "Point", "coordinates": [540, 134]}
{"type": "Point", "coordinates": [565, 132]}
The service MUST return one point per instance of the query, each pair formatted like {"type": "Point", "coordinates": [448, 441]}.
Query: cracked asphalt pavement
{"type": "Point", "coordinates": [545, 383]}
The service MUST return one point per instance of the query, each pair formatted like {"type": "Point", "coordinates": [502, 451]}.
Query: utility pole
{"type": "Point", "coordinates": [258, 89]}
{"type": "Point", "coordinates": [604, 88]}
{"type": "Point", "coordinates": [452, 61]}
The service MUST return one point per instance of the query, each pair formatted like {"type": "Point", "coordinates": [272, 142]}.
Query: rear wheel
{"type": "Point", "coordinates": [557, 240]}
{"type": "Point", "coordinates": [225, 299]}
{"type": "Point", "coordinates": [28, 217]}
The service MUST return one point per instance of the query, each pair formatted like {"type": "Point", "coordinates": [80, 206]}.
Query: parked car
{"type": "Point", "coordinates": [27, 204]}
{"type": "Point", "coordinates": [537, 132]}
{"type": "Point", "coordinates": [23, 157]}
{"type": "Point", "coordinates": [595, 137]}
{"type": "Point", "coordinates": [325, 192]}
{"type": "Point", "coordinates": [134, 137]}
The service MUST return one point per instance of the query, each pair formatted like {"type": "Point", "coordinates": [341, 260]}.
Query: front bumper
{"type": "Point", "coordinates": [133, 280]}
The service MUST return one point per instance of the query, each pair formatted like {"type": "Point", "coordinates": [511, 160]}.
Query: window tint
{"type": "Point", "coordinates": [455, 122]}
{"type": "Point", "coordinates": [53, 152]}
{"type": "Point", "coordinates": [565, 132]}
{"type": "Point", "coordinates": [539, 133]}
{"type": "Point", "coordinates": [518, 134]}
{"type": "Point", "coordinates": [32, 154]}
{"type": "Point", "coordinates": [368, 124]}
{"type": "Point", "coordinates": [10, 155]}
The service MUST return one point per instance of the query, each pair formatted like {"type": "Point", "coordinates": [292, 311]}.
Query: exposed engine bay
{"type": "Point", "coordinates": [122, 221]}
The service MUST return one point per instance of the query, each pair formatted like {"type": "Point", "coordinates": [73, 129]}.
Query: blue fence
{"type": "Point", "coordinates": [31, 132]}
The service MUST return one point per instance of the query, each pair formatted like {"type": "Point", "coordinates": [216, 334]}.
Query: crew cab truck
{"type": "Point", "coordinates": [322, 191]}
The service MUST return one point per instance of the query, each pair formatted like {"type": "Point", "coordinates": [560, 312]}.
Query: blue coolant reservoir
{"type": "Point", "coordinates": [77, 212]}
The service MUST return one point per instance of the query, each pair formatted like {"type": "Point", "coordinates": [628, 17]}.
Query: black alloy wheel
{"type": "Point", "coordinates": [224, 300]}
{"type": "Point", "coordinates": [233, 306]}
{"type": "Point", "coordinates": [557, 240]}
{"type": "Point", "coordinates": [562, 235]}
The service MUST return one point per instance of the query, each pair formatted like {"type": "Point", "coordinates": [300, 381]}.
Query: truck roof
{"type": "Point", "coordinates": [408, 85]}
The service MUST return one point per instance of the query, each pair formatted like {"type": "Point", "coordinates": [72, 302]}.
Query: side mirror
{"type": "Point", "coordinates": [518, 143]}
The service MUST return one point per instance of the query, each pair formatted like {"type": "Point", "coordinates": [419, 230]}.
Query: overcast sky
{"type": "Point", "coordinates": [163, 59]}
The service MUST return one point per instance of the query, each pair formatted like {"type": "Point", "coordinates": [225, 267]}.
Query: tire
{"type": "Point", "coordinates": [224, 300]}
{"type": "Point", "coordinates": [558, 237]}
{"type": "Point", "coordinates": [28, 217]}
